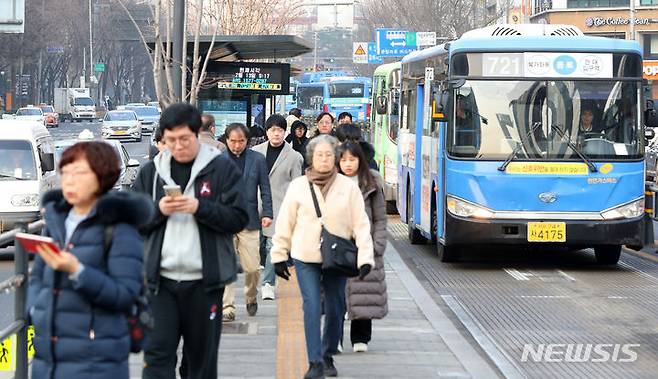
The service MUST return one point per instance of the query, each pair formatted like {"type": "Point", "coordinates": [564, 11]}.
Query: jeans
{"type": "Point", "coordinates": [269, 276]}
{"type": "Point", "coordinates": [310, 278]}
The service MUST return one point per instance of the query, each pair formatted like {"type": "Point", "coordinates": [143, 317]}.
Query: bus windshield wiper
{"type": "Point", "coordinates": [518, 147]}
{"type": "Point", "coordinates": [11, 177]}
{"type": "Point", "coordinates": [583, 157]}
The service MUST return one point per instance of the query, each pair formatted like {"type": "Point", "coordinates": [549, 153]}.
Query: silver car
{"type": "Point", "coordinates": [122, 125]}
{"type": "Point", "coordinates": [148, 116]}
{"type": "Point", "coordinates": [129, 166]}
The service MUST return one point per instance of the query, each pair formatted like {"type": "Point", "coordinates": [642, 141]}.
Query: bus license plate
{"type": "Point", "coordinates": [547, 232]}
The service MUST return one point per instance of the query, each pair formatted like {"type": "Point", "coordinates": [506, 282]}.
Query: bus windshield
{"type": "Point", "coordinates": [338, 90]}
{"type": "Point", "coordinates": [492, 118]}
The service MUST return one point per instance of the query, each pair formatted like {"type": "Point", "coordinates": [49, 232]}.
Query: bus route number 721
{"type": "Point", "coordinates": [502, 65]}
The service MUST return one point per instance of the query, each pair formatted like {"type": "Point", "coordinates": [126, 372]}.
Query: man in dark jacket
{"type": "Point", "coordinates": [247, 242]}
{"type": "Point", "coordinates": [189, 254]}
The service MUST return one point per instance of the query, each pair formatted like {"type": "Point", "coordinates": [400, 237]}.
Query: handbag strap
{"type": "Point", "coordinates": [315, 201]}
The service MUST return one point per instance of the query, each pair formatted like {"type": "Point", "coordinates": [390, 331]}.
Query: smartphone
{"type": "Point", "coordinates": [172, 190]}
{"type": "Point", "coordinates": [30, 242]}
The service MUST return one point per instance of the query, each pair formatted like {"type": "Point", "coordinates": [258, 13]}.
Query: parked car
{"type": "Point", "coordinates": [121, 125]}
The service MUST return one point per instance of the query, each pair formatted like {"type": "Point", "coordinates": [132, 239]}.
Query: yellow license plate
{"type": "Point", "coordinates": [120, 132]}
{"type": "Point", "coordinates": [547, 232]}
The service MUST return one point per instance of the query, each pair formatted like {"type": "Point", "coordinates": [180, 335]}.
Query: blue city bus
{"type": "Point", "coordinates": [336, 95]}
{"type": "Point", "coordinates": [531, 139]}
{"type": "Point", "coordinates": [311, 77]}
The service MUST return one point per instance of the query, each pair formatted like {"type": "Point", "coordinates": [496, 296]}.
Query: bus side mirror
{"type": "Point", "coordinates": [650, 116]}
{"type": "Point", "coordinates": [381, 104]}
{"type": "Point", "coordinates": [47, 161]}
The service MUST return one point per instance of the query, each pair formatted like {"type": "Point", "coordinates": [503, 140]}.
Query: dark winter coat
{"type": "Point", "coordinates": [367, 299]}
{"type": "Point", "coordinates": [80, 327]}
{"type": "Point", "coordinates": [256, 182]}
{"type": "Point", "coordinates": [221, 213]}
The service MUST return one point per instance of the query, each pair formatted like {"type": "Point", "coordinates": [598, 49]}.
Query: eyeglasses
{"type": "Point", "coordinates": [74, 173]}
{"type": "Point", "coordinates": [184, 141]}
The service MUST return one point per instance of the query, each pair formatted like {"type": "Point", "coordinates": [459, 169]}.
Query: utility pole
{"type": "Point", "coordinates": [315, 51]}
{"type": "Point", "coordinates": [177, 48]}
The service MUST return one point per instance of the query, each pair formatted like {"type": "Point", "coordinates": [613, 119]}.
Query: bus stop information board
{"type": "Point", "coordinates": [261, 78]}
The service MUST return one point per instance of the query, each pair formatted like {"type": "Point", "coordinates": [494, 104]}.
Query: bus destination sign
{"type": "Point", "coordinates": [266, 78]}
{"type": "Point", "coordinates": [547, 64]}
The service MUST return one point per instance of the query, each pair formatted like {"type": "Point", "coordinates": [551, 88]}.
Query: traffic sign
{"type": "Point", "coordinates": [393, 43]}
{"type": "Point", "coordinates": [360, 52]}
{"type": "Point", "coordinates": [99, 67]}
{"type": "Point", "coordinates": [425, 38]}
{"type": "Point", "coordinates": [373, 58]}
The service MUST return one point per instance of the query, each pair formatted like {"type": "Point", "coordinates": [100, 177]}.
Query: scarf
{"type": "Point", "coordinates": [322, 180]}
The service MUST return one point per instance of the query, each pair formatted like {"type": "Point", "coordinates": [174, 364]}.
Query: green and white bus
{"type": "Point", "coordinates": [385, 121]}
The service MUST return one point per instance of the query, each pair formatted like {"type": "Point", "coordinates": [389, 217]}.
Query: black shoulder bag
{"type": "Point", "coordinates": [339, 255]}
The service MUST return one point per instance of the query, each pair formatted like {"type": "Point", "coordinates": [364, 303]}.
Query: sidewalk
{"type": "Point", "coordinates": [415, 340]}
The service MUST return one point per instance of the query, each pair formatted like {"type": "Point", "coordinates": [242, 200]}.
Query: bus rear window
{"type": "Point", "coordinates": [346, 90]}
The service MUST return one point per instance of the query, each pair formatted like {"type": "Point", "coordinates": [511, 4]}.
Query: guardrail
{"type": "Point", "coordinates": [18, 283]}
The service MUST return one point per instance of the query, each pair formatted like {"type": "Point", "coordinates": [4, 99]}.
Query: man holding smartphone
{"type": "Point", "coordinates": [189, 253]}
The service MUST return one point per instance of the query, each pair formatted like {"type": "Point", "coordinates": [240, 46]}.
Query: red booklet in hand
{"type": "Point", "coordinates": [30, 242]}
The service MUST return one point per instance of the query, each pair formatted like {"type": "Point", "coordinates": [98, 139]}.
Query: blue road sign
{"type": "Point", "coordinates": [392, 43]}
{"type": "Point", "coordinates": [373, 58]}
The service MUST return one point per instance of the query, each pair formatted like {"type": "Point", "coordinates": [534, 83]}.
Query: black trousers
{"type": "Point", "coordinates": [361, 331]}
{"type": "Point", "coordinates": [184, 309]}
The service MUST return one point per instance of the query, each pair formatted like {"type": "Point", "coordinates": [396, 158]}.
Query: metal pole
{"type": "Point", "coordinates": [91, 46]}
{"type": "Point", "coordinates": [315, 51]}
{"type": "Point", "coordinates": [177, 48]}
{"type": "Point", "coordinates": [631, 20]}
{"type": "Point", "coordinates": [20, 300]}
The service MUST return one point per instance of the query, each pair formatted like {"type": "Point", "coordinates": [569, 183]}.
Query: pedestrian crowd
{"type": "Point", "coordinates": [162, 259]}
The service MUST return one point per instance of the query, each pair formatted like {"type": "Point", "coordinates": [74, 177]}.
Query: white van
{"type": "Point", "coordinates": [27, 170]}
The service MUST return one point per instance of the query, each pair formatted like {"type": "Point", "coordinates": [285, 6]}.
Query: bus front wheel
{"type": "Point", "coordinates": [447, 253]}
{"type": "Point", "coordinates": [607, 254]}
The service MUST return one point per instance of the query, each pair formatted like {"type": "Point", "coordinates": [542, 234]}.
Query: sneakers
{"type": "Point", "coordinates": [360, 347]}
{"type": "Point", "coordinates": [252, 308]}
{"type": "Point", "coordinates": [315, 371]}
{"type": "Point", "coordinates": [340, 347]}
{"type": "Point", "coordinates": [329, 368]}
{"type": "Point", "coordinates": [267, 292]}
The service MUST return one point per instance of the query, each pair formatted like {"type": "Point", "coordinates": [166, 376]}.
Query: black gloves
{"type": "Point", "coordinates": [281, 270]}
{"type": "Point", "coordinates": [364, 270]}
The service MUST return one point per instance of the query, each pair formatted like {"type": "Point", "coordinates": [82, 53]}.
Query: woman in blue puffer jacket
{"type": "Point", "coordinates": [78, 297]}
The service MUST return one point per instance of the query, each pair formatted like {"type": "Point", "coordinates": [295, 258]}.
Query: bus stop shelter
{"type": "Point", "coordinates": [241, 84]}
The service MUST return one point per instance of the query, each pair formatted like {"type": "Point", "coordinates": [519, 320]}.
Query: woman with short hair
{"type": "Point", "coordinates": [78, 296]}
{"type": "Point", "coordinates": [298, 231]}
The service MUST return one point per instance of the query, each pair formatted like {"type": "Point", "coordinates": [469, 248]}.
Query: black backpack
{"type": "Point", "coordinates": [140, 320]}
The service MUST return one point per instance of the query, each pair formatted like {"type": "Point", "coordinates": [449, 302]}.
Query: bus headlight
{"type": "Point", "coordinates": [26, 200]}
{"type": "Point", "coordinates": [463, 208]}
{"type": "Point", "coordinates": [629, 210]}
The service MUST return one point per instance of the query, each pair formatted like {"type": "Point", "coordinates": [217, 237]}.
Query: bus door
{"type": "Point", "coordinates": [438, 133]}
{"type": "Point", "coordinates": [418, 157]}
{"type": "Point", "coordinates": [426, 167]}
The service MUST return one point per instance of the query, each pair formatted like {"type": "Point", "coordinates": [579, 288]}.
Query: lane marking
{"type": "Point", "coordinates": [566, 275]}
{"type": "Point", "coordinates": [543, 297]}
{"type": "Point", "coordinates": [518, 275]}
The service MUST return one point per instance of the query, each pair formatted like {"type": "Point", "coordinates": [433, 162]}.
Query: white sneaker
{"type": "Point", "coordinates": [360, 347]}
{"type": "Point", "coordinates": [267, 292]}
{"type": "Point", "coordinates": [340, 346]}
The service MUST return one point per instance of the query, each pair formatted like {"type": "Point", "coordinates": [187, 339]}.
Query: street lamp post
{"type": "Point", "coordinates": [91, 48]}
{"type": "Point", "coordinates": [177, 41]}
